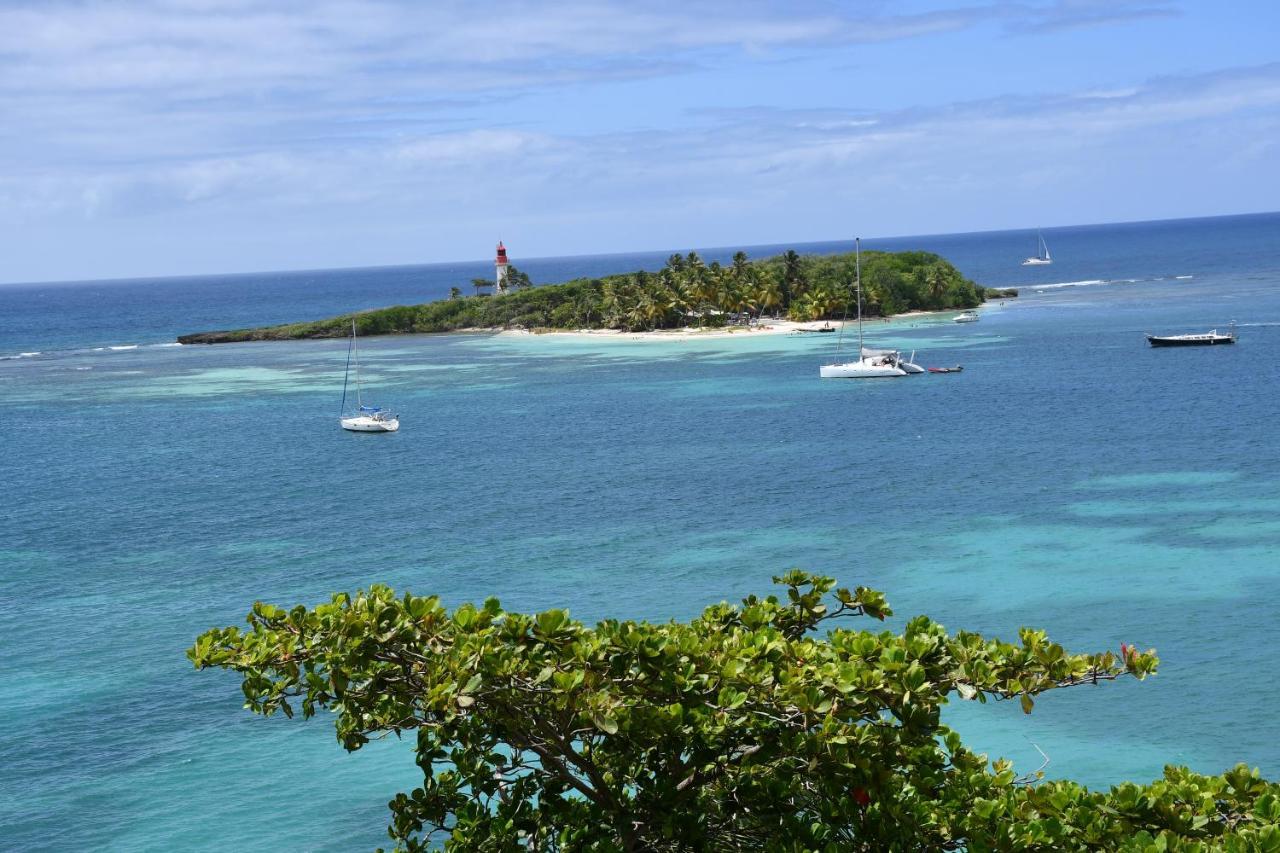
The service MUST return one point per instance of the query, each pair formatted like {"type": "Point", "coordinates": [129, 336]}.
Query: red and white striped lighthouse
{"type": "Point", "coordinates": [500, 269]}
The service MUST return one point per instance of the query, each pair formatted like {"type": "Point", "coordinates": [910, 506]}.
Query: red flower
{"type": "Point", "coordinates": [861, 797]}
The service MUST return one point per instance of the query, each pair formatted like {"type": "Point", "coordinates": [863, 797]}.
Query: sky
{"type": "Point", "coordinates": [173, 137]}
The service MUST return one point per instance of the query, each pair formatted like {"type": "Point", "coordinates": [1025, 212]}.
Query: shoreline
{"type": "Point", "coordinates": [768, 327]}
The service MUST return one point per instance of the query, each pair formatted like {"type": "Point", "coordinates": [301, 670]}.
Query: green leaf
{"type": "Point", "coordinates": [742, 727]}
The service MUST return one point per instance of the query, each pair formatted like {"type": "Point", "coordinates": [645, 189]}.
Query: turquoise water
{"type": "Point", "coordinates": [1071, 478]}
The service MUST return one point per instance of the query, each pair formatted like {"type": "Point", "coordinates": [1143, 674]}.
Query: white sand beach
{"type": "Point", "coordinates": [764, 327]}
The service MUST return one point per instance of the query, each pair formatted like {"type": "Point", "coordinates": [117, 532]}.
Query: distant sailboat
{"type": "Point", "coordinates": [1042, 253]}
{"type": "Point", "coordinates": [365, 418]}
{"type": "Point", "coordinates": [870, 364]}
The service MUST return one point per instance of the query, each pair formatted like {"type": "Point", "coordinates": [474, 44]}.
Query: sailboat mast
{"type": "Point", "coordinates": [356, 354]}
{"type": "Point", "coordinates": [858, 277]}
{"type": "Point", "coordinates": [346, 374]}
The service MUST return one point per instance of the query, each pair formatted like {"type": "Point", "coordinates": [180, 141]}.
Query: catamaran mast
{"type": "Point", "coordinates": [858, 277]}
{"type": "Point", "coordinates": [844, 317]}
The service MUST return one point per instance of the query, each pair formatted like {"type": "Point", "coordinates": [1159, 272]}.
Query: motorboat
{"type": "Point", "coordinates": [955, 369]}
{"type": "Point", "coordinates": [1207, 339]}
{"type": "Point", "coordinates": [966, 317]}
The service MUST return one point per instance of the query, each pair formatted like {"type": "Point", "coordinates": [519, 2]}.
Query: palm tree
{"type": "Point", "coordinates": [874, 294]}
{"type": "Point", "coordinates": [683, 300]}
{"type": "Point", "coordinates": [670, 297]}
{"type": "Point", "coordinates": [737, 296]}
{"type": "Point", "coordinates": [645, 311]}
{"type": "Point", "coordinates": [792, 277]}
{"type": "Point", "coordinates": [584, 307]}
{"type": "Point", "coordinates": [717, 286]}
{"type": "Point", "coordinates": [518, 279]}
{"type": "Point", "coordinates": [705, 286]}
{"type": "Point", "coordinates": [807, 307]}
{"type": "Point", "coordinates": [767, 294]}
{"type": "Point", "coordinates": [611, 308]}
{"type": "Point", "coordinates": [935, 281]}
{"type": "Point", "coordinates": [825, 300]}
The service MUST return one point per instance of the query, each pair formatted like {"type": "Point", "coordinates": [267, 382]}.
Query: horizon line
{"type": "Point", "coordinates": [301, 270]}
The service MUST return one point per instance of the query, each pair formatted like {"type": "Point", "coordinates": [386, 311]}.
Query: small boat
{"type": "Point", "coordinates": [365, 418]}
{"type": "Point", "coordinates": [967, 317]}
{"type": "Point", "coordinates": [955, 369]}
{"type": "Point", "coordinates": [1208, 339]}
{"type": "Point", "coordinates": [827, 328]}
{"type": "Point", "coordinates": [1042, 253]}
{"type": "Point", "coordinates": [883, 364]}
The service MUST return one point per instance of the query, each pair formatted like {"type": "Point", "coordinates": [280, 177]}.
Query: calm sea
{"type": "Point", "coordinates": [1070, 478]}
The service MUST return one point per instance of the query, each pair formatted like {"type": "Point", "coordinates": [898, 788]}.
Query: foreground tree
{"type": "Point", "coordinates": [740, 730]}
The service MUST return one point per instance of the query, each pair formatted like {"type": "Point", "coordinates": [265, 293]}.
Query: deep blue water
{"type": "Point", "coordinates": [1071, 478]}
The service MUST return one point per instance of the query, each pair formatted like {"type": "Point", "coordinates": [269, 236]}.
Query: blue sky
{"type": "Point", "coordinates": [166, 137]}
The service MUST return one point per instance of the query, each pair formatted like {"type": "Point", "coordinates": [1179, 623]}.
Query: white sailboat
{"type": "Point", "coordinates": [365, 418]}
{"type": "Point", "coordinates": [871, 364]}
{"type": "Point", "coordinates": [1042, 253]}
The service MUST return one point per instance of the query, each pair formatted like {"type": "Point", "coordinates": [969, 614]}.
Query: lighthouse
{"type": "Point", "coordinates": [500, 269]}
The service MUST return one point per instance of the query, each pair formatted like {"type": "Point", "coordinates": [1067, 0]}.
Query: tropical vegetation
{"type": "Point", "coordinates": [685, 292]}
{"type": "Point", "coordinates": [761, 726]}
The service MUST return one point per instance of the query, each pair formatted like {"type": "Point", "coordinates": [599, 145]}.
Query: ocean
{"type": "Point", "coordinates": [1071, 478]}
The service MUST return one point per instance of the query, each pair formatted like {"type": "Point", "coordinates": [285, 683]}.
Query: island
{"type": "Point", "coordinates": [685, 293]}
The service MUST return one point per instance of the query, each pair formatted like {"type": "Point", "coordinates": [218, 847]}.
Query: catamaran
{"type": "Point", "coordinates": [365, 418]}
{"type": "Point", "coordinates": [1042, 253]}
{"type": "Point", "coordinates": [877, 364]}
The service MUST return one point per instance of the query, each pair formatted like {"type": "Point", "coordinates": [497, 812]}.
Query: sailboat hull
{"type": "Point", "coordinates": [364, 423]}
{"type": "Point", "coordinates": [1036, 262]}
{"type": "Point", "coordinates": [859, 370]}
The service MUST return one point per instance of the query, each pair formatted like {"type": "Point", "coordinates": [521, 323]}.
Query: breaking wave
{"type": "Point", "coordinates": [1094, 282]}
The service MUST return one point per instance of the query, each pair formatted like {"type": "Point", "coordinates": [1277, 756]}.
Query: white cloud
{"type": "Point", "coordinates": [243, 116]}
{"type": "Point", "coordinates": [995, 136]}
